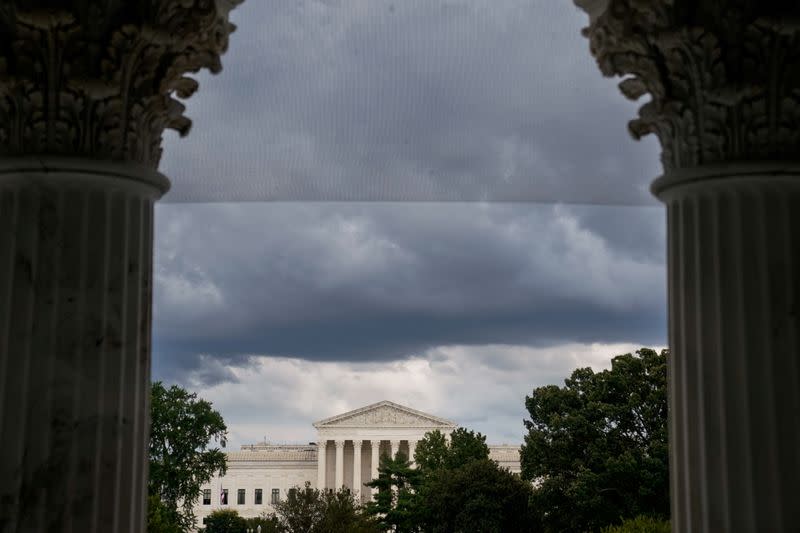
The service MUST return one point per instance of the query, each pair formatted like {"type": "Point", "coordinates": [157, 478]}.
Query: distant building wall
{"type": "Point", "coordinates": [278, 468]}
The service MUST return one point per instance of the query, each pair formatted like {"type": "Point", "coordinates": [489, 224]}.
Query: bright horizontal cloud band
{"type": "Point", "coordinates": [480, 387]}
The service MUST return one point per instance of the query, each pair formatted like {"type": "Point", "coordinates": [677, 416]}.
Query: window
{"type": "Point", "coordinates": [292, 492]}
{"type": "Point", "coordinates": [240, 497]}
{"type": "Point", "coordinates": [259, 499]}
{"type": "Point", "coordinates": [276, 495]}
{"type": "Point", "coordinates": [206, 496]}
{"type": "Point", "coordinates": [223, 498]}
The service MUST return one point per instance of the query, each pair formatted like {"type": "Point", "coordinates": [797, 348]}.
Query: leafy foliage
{"type": "Point", "coordinates": [454, 488]}
{"type": "Point", "coordinates": [309, 510]}
{"type": "Point", "coordinates": [160, 518]}
{"type": "Point", "coordinates": [640, 524]}
{"type": "Point", "coordinates": [225, 521]}
{"type": "Point", "coordinates": [597, 447]}
{"type": "Point", "coordinates": [433, 451]}
{"type": "Point", "coordinates": [397, 503]}
{"type": "Point", "coordinates": [182, 457]}
{"type": "Point", "coordinates": [268, 523]}
{"type": "Point", "coordinates": [477, 497]}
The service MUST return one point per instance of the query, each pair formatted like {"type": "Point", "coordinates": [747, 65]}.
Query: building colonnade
{"type": "Point", "coordinates": [363, 460]}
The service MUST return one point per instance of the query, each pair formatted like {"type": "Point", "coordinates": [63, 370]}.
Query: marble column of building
{"type": "Point", "coordinates": [322, 464]}
{"type": "Point", "coordinates": [357, 468]}
{"type": "Point", "coordinates": [339, 477]}
{"type": "Point", "coordinates": [395, 447]}
{"type": "Point", "coordinates": [725, 105]}
{"type": "Point", "coordinates": [375, 447]}
{"type": "Point", "coordinates": [85, 94]}
{"type": "Point", "coordinates": [412, 447]}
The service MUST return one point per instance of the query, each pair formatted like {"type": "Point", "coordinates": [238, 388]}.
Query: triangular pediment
{"type": "Point", "coordinates": [385, 414]}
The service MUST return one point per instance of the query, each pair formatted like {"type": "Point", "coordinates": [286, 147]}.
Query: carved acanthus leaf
{"type": "Point", "coordinates": [100, 79]}
{"type": "Point", "coordinates": [723, 76]}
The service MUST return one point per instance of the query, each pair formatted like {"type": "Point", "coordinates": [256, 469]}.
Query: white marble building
{"type": "Point", "coordinates": [348, 448]}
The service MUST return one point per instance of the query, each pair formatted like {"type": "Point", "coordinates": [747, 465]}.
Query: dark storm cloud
{"type": "Point", "coordinates": [380, 282]}
{"type": "Point", "coordinates": [411, 100]}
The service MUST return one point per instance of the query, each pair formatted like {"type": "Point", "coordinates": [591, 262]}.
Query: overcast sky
{"type": "Point", "coordinates": [283, 313]}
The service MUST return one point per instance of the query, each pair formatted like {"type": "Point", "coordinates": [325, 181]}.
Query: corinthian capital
{"type": "Point", "coordinates": [723, 76]}
{"type": "Point", "coordinates": [98, 79]}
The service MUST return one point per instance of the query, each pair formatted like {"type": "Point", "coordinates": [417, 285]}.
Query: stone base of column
{"type": "Point", "coordinates": [75, 317]}
{"type": "Point", "coordinates": [734, 298]}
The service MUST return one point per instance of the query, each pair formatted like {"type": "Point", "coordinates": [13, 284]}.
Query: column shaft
{"type": "Point", "coordinates": [75, 317]}
{"type": "Point", "coordinates": [339, 464]}
{"type": "Point", "coordinates": [395, 447]}
{"type": "Point", "coordinates": [375, 447]}
{"type": "Point", "coordinates": [357, 468]}
{"type": "Point", "coordinates": [412, 447]}
{"type": "Point", "coordinates": [734, 373]}
{"type": "Point", "coordinates": [322, 464]}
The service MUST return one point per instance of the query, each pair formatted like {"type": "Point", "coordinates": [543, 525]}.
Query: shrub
{"type": "Point", "coordinates": [640, 524]}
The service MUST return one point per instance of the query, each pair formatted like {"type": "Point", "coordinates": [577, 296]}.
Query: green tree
{"type": "Point", "coordinates": [301, 511]}
{"type": "Point", "coordinates": [640, 524]}
{"type": "Point", "coordinates": [182, 455]}
{"type": "Point", "coordinates": [309, 510]}
{"type": "Point", "coordinates": [224, 521]}
{"type": "Point", "coordinates": [268, 523]}
{"type": "Point", "coordinates": [343, 513]}
{"type": "Point", "coordinates": [597, 447]}
{"type": "Point", "coordinates": [433, 451]}
{"type": "Point", "coordinates": [477, 497]}
{"type": "Point", "coordinates": [396, 505]}
{"type": "Point", "coordinates": [160, 518]}
{"type": "Point", "coordinates": [433, 498]}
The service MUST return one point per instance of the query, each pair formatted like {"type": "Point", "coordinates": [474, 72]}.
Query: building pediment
{"type": "Point", "coordinates": [384, 414]}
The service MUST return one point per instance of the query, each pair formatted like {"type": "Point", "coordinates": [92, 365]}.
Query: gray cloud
{"type": "Point", "coordinates": [482, 388]}
{"type": "Point", "coordinates": [412, 100]}
{"type": "Point", "coordinates": [379, 282]}
{"type": "Point", "coordinates": [342, 304]}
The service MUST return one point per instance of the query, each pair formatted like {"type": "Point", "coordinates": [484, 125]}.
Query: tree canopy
{"type": "Point", "coordinates": [183, 455]}
{"type": "Point", "coordinates": [224, 521]}
{"type": "Point", "coordinates": [433, 452]}
{"type": "Point", "coordinates": [310, 510]}
{"type": "Point", "coordinates": [476, 497]}
{"type": "Point", "coordinates": [454, 488]}
{"type": "Point", "coordinates": [596, 448]}
{"type": "Point", "coordinates": [397, 505]}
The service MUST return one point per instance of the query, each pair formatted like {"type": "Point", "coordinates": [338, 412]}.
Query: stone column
{"type": "Point", "coordinates": [322, 464]}
{"type": "Point", "coordinates": [412, 447]}
{"type": "Point", "coordinates": [357, 468]}
{"type": "Point", "coordinates": [339, 479]}
{"type": "Point", "coordinates": [725, 104]}
{"type": "Point", "coordinates": [85, 94]}
{"type": "Point", "coordinates": [734, 290]}
{"type": "Point", "coordinates": [375, 447]}
{"type": "Point", "coordinates": [395, 447]}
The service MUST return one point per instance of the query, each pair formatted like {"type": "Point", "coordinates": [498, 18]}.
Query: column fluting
{"type": "Point", "coordinates": [395, 447]}
{"type": "Point", "coordinates": [734, 300]}
{"type": "Point", "coordinates": [375, 447]}
{"type": "Point", "coordinates": [76, 283]}
{"type": "Point", "coordinates": [322, 464]}
{"type": "Point", "coordinates": [339, 478]}
{"type": "Point", "coordinates": [357, 468]}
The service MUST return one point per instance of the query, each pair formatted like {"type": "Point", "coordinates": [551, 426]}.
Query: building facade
{"type": "Point", "coordinates": [347, 453]}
